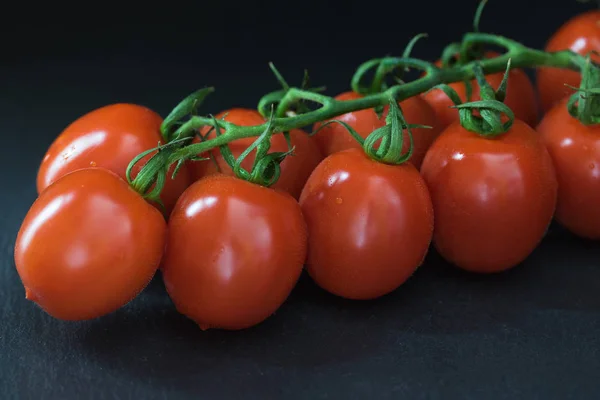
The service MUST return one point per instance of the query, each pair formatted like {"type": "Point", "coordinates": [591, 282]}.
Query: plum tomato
{"type": "Point", "coordinates": [109, 137]}
{"type": "Point", "coordinates": [235, 251]}
{"type": "Point", "coordinates": [295, 168]}
{"type": "Point", "coordinates": [493, 198]}
{"type": "Point", "coordinates": [88, 245]}
{"type": "Point", "coordinates": [369, 224]}
{"type": "Point", "coordinates": [334, 137]}
{"type": "Point", "coordinates": [575, 151]}
{"type": "Point", "coordinates": [580, 34]}
{"type": "Point", "coordinates": [520, 96]}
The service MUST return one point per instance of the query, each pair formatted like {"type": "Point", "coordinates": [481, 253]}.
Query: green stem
{"type": "Point", "coordinates": [520, 56]}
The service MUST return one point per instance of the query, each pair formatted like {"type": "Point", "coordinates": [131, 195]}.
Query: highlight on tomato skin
{"type": "Point", "coordinates": [520, 96]}
{"type": "Point", "coordinates": [295, 168]}
{"type": "Point", "coordinates": [575, 151]}
{"type": "Point", "coordinates": [333, 138]}
{"type": "Point", "coordinates": [88, 245]}
{"type": "Point", "coordinates": [234, 252]}
{"type": "Point", "coordinates": [110, 137]}
{"type": "Point", "coordinates": [369, 224]}
{"type": "Point", "coordinates": [580, 34]}
{"type": "Point", "coordinates": [493, 199]}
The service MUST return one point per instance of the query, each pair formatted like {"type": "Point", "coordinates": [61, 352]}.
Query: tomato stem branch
{"type": "Point", "coordinates": [520, 56]}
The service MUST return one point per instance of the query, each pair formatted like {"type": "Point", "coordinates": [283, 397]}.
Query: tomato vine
{"type": "Point", "coordinates": [182, 125]}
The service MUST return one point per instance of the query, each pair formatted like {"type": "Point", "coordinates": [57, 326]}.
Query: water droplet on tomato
{"type": "Point", "coordinates": [339, 200]}
{"type": "Point", "coordinates": [592, 165]}
{"type": "Point", "coordinates": [92, 163]}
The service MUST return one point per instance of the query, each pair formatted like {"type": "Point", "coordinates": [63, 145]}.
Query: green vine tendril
{"type": "Point", "coordinates": [585, 103]}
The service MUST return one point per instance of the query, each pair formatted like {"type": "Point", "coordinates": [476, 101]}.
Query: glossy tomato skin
{"type": "Point", "coordinates": [580, 34]}
{"type": "Point", "coordinates": [295, 169]}
{"type": "Point", "coordinates": [575, 152]}
{"type": "Point", "coordinates": [334, 137]}
{"type": "Point", "coordinates": [235, 250]}
{"type": "Point", "coordinates": [493, 198]}
{"type": "Point", "coordinates": [88, 245]}
{"type": "Point", "coordinates": [109, 137]}
{"type": "Point", "coordinates": [520, 97]}
{"type": "Point", "coordinates": [369, 224]}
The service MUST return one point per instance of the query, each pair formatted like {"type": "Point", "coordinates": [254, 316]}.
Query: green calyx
{"type": "Point", "coordinates": [385, 144]}
{"type": "Point", "coordinates": [156, 170]}
{"type": "Point", "coordinates": [487, 120]}
{"type": "Point", "coordinates": [585, 103]}
{"type": "Point", "coordinates": [266, 169]}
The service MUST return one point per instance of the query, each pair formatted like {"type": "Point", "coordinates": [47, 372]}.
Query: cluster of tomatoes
{"type": "Point", "coordinates": [230, 251]}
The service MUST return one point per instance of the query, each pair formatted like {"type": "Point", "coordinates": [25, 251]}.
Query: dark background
{"type": "Point", "coordinates": [530, 333]}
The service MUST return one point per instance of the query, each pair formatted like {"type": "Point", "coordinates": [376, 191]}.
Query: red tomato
{"type": "Point", "coordinates": [369, 224]}
{"type": "Point", "coordinates": [295, 169]}
{"type": "Point", "coordinates": [520, 96]}
{"type": "Point", "coordinates": [88, 245]}
{"type": "Point", "coordinates": [235, 250]}
{"type": "Point", "coordinates": [109, 137]}
{"type": "Point", "coordinates": [580, 34]}
{"type": "Point", "coordinates": [334, 137]}
{"type": "Point", "coordinates": [493, 198]}
{"type": "Point", "coordinates": [575, 152]}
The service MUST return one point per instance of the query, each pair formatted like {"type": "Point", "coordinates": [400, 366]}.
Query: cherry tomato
{"type": "Point", "coordinates": [580, 34]}
{"type": "Point", "coordinates": [520, 96]}
{"type": "Point", "coordinates": [493, 198]}
{"type": "Point", "coordinates": [295, 169]}
{"type": "Point", "coordinates": [369, 224]}
{"type": "Point", "coordinates": [109, 137]}
{"type": "Point", "coordinates": [88, 245]}
{"type": "Point", "coordinates": [334, 137]}
{"type": "Point", "coordinates": [575, 152]}
{"type": "Point", "coordinates": [235, 250]}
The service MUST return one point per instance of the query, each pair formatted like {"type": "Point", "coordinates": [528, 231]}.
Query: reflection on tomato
{"type": "Point", "coordinates": [575, 152]}
{"type": "Point", "coordinates": [369, 224]}
{"type": "Point", "coordinates": [580, 34]}
{"type": "Point", "coordinates": [295, 168]}
{"type": "Point", "coordinates": [334, 137]}
{"type": "Point", "coordinates": [88, 245]}
{"type": "Point", "coordinates": [234, 252]}
{"type": "Point", "coordinates": [109, 137]}
{"type": "Point", "coordinates": [493, 198]}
